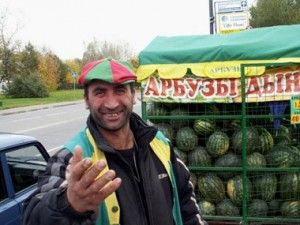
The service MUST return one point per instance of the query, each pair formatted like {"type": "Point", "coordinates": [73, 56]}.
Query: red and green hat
{"type": "Point", "coordinates": [108, 70]}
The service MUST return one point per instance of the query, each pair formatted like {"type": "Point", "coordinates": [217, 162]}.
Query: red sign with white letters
{"type": "Point", "coordinates": [271, 86]}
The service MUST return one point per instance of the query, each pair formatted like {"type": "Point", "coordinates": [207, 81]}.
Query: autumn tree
{"type": "Point", "coordinates": [275, 12]}
{"type": "Point", "coordinates": [74, 65]}
{"type": "Point", "coordinates": [134, 62]}
{"type": "Point", "coordinates": [26, 86]}
{"type": "Point", "coordinates": [62, 72]}
{"type": "Point", "coordinates": [48, 69]}
{"type": "Point", "coordinates": [8, 47]}
{"type": "Point", "coordinates": [28, 60]}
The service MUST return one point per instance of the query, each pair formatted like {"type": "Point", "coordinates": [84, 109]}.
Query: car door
{"type": "Point", "coordinates": [23, 164]}
{"type": "Point", "coordinates": [9, 208]}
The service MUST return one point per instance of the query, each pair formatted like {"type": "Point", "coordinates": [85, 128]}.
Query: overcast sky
{"type": "Point", "coordinates": [65, 26]}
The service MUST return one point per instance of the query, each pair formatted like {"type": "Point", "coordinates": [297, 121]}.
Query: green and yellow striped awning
{"type": "Point", "coordinates": [220, 56]}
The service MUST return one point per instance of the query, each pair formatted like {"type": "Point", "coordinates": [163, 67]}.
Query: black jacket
{"type": "Point", "coordinates": [143, 199]}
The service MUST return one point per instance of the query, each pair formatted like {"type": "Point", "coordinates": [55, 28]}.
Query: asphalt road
{"type": "Point", "coordinates": [52, 125]}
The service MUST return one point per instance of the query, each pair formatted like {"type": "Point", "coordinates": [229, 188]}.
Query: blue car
{"type": "Point", "coordinates": [22, 159]}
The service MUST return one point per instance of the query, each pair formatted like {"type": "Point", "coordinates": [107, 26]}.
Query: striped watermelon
{"type": "Point", "coordinates": [283, 130]}
{"type": "Point", "coordinates": [217, 144]}
{"type": "Point", "coordinates": [228, 160]}
{"type": "Point", "coordinates": [199, 157]}
{"type": "Point", "coordinates": [256, 159]}
{"type": "Point", "coordinates": [203, 127]}
{"type": "Point", "coordinates": [211, 187]}
{"type": "Point", "coordinates": [252, 140]}
{"type": "Point", "coordinates": [280, 156]}
{"type": "Point", "coordinates": [235, 189]}
{"type": "Point", "coordinates": [265, 186]}
{"type": "Point", "coordinates": [296, 152]}
{"type": "Point", "coordinates": [274, 207]}
{"type": "Point", "coordinates": [290, 186]}
{"type": "Point", "coordinates": [257, 208]}
{"type": "Point", "coordinates": [283, 139]}
{"type": "Point", "coordinates": [186, 139]}
{"type": "Point", "coordinates": [207, 208]}
{"type": "Point", "coordinates": [266, 140]}
{"type": "Point", "coordinates": [283, 135]}
{"type": "Point", "coordinates": [227, 208]}
{"type": "Point", "coordinates": [291, 209]}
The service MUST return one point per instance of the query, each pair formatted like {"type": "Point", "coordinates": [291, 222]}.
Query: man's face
{"type": "Point", "coordinates": [110, 105]}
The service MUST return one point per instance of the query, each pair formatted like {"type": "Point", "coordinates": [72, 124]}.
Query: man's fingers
{"type": "Point", "coordinates": [108, 189]}
{"type": "Point", "coordinates": [79, 169]}
{"type": "Point", "coordinates": [89, 177]}
{"type": "Point", "coordinates": [77, 155]}
{"type": "Point", "coordinates": [102, 181]}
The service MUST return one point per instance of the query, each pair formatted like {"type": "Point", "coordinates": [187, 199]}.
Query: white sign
{"type": "Point", "coordinates": [74, 75]}
{"type": "Point", "coordinates": [230, 22]}
{"type": "Point", "coordinates": [231, 6]}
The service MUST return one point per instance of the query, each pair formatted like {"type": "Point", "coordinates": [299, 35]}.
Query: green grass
{"type": "Point", "coordinates": [54, 97]}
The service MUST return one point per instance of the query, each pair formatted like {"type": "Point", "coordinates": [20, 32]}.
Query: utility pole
{"type": "Point", "coordinates": [211, 17]}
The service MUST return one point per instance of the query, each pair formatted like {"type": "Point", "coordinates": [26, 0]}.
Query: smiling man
{"type": "Point", "coordinates": [118, 169]}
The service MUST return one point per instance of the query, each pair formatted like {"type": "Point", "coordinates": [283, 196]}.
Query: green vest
{"type": "Point", "coordinates": [109, 210]}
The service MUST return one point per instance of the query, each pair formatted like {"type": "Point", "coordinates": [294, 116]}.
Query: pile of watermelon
{"type": "Point", "coordinates": [220, 143]}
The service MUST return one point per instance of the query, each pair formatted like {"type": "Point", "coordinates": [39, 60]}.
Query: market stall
{"type": "Point", "coordinates": [229, 104]}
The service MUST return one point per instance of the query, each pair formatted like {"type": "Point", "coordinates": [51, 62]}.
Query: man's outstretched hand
{"type": "Point", "coordinates": [85, 191]}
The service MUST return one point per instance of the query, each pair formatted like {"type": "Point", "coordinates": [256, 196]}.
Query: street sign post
{"type": "Point", "coordinates": [74, 75]}
{"type": "Point", "coordinates": [231, 6]}
{"type": "Point", "coordinates": [232, 22]}
{"type": "Point", "coordinates": [229, 16]}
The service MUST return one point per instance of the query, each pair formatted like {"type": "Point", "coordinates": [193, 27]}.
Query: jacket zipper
{"type": "Point", "coordinates": [146, 194]}
{"type": "Point", "coordinates": [137, 174]}
{"type": "Point", "coordinates": [137, 180]}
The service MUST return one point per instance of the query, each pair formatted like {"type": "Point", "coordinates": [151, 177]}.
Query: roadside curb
{"type": "Point", "coordinates": [6, 112]}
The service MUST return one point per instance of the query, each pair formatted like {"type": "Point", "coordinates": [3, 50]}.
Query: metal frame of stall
{"type": "Point", "coordinates": [244, 219]}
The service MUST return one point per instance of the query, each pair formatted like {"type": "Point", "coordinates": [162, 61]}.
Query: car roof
{"type": "Point", "coordinates": [8, 140]}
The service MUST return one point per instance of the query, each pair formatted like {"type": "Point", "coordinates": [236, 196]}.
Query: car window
{"type": "Point", "coordinates": [3, 191]}
{"type": "Point", "coordinates": [25, 165]}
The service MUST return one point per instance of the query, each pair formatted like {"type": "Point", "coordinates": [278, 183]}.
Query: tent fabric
{"type": "Point", "coordinates": [220, 56]}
